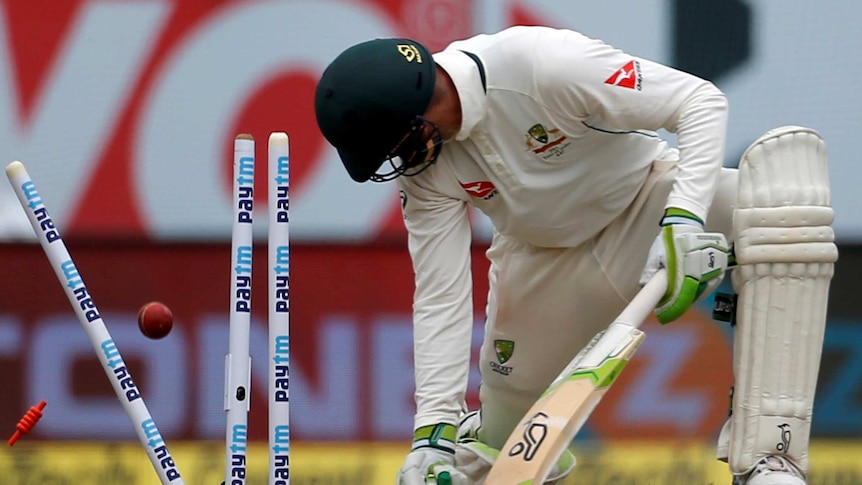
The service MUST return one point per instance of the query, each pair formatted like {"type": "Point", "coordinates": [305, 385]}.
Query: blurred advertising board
{"type": "Point", "coordinates": [351, 350]}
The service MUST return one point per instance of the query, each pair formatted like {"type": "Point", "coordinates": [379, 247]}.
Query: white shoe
{"type": "Point", "coordinates": [772, 470]}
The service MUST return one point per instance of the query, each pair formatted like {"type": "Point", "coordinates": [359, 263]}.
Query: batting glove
{"type": "Point", "coordinates": [432, 458]}
{"type": "Point", "coordinates": [695, 262]}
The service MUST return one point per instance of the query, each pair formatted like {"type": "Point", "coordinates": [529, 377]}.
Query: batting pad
{"type": "Point", "coordinates": [785, 253]}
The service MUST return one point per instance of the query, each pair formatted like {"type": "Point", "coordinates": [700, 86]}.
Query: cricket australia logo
{"type": "Point", "coordinates": [546, 143]}
{"type": "Point", "coordinates": [531, 441]}
{"type": "Point", "coordinates": [504, 350]}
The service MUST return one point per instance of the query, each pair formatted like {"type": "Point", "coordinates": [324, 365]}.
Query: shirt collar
{"type": "Point", "coordinates": [468, 83]}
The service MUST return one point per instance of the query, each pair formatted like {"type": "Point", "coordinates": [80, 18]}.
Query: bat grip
{"type": "Point", "coordinates": [643, 304]}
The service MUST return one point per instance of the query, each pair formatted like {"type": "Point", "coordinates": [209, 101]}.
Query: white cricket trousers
{"type": "Point", "coordinates": [550, 302]}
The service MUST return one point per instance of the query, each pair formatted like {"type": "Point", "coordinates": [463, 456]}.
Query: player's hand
{"type": "Point", "coordinates": [695, 262]}
{"type": "Point", "coordinates": [432, 459]}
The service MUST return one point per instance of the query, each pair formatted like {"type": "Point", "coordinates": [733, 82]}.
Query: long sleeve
{"type": "Point", "coordinates": [439, 242]}
{"type": "Point", "coordinates": [612, 90]}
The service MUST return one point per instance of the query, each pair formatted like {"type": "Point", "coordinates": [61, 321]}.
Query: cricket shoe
{"type": "Point", "coordinates": [772, 470]}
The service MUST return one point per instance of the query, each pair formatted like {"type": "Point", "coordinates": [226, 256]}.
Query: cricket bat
{"type": "Point", "coordinates": [553, 421]}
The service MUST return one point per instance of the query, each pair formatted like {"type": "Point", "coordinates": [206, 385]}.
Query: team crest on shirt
{"type": "Point", "coordinates": [538, 133]}
{"type": "Point", "coordinates": [504, 350]}
{"type": "Point", "coordinates": [547, 143]}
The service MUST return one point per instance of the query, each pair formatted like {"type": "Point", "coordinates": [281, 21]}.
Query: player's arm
{"type": "Point", "coordinates": [696, 260]}
{"type": "Point", "coordinates": [654, 97]}
{"type": "Point", "coordinates": [579, 81]}
{"type": "Point", "coordinates": [439, 238]}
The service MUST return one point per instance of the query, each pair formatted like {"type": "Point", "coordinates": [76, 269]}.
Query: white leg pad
{"type": "Point", "coordinates": [785, 253]}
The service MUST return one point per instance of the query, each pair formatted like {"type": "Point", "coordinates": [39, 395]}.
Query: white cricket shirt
{"type": "Point", "coordinates": [557, 137]}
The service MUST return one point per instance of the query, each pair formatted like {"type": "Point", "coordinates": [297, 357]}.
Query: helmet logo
{"type": "Point", "coordinates": [410, 52]}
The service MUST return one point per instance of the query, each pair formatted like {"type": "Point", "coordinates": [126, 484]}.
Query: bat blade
{"type": "Point", "coordinates": [555, 418]}
{"type": "Point", "coordinates": [553, 421]}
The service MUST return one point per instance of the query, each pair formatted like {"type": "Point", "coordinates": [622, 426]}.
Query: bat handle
{"type": "Point", "coordinates": [643, 304]}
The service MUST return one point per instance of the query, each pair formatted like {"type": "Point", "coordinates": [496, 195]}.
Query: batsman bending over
{"type": "Point", "coordinates": [552, 135]}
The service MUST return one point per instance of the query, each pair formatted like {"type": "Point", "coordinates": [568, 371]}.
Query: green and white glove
{"type": "Point", "coordinates": [695, 262]}
{"type": "Point", "coordinates": [431, 461]}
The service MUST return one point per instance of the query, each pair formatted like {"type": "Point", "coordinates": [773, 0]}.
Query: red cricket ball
{"type": "Point", "coordinates": [155, 320]}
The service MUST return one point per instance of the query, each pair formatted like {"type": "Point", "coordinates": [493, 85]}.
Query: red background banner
{"type": "Point", "coordinates": [351, 353]}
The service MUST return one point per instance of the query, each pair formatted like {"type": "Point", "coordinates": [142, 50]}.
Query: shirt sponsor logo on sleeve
{"type": "Point", "coordinates": [628, 76]}
{"type": "Point", "coordinates": [481, 190]}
